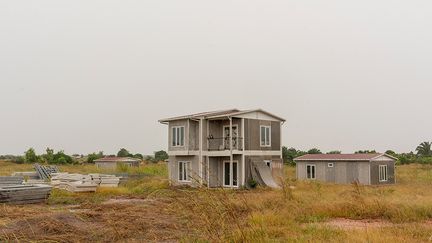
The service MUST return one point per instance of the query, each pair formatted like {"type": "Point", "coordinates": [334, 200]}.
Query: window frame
{"type": "Point", "coordinates": [383, 177]}
{"type": "Point", "coordinates": [268, 163]}
{"type": "Point", "coordinates": [175, 135]}
{"type": "Point", "coordinates": [314, 172]}
{"type": "Point", "coordinates": [330, 165]}
{"type": "Point", "coordinates": [265, 144]}
{"type": "Point", "coordinates": [185, 171]}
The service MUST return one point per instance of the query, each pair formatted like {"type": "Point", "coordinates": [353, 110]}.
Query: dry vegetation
{"type": "Point", "coordinates": [147, 209]}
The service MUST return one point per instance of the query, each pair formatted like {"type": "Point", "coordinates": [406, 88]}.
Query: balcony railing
{"type": "Point", "coordinates": [220, 144]}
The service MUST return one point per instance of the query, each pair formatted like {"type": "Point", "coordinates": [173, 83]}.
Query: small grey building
{"type": "Point", "coordinates": [366, 169]}
{"type": "Point", "coordinates": [113, 162]}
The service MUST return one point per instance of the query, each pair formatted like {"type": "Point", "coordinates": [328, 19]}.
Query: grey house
{"type": "Point", "coordinates": [113, 162]}
{"type": "Point", "coordinates": [224, 148]}
{"type": "Point", "coordinates": [366, 169]}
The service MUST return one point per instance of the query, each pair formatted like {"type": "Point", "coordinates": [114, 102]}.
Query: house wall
{"type": "Point", "coordinates": [374, 172]}
{"type": "Point", "coordinates": [216, 170]}
{"type": "Point", "coordinates": [174, 169]}
{"type": "Point", "coordinates": [113, 165]}
{"type": "Point", "coordinates": [252, 134]}
{"type": "Point", "coordinates": [341, 173]}
{"type": "Point", "coordinates": [191, 135]}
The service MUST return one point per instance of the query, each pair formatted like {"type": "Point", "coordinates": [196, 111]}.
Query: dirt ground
{"type": "Point", "coordinates": [122, 219]}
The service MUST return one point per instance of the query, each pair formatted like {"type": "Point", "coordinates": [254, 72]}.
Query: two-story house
{"type": "Point", "coordinates": [224, 148]}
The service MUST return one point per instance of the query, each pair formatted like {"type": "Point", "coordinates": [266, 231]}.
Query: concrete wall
{"type": "Point", "coordinates": [252, 134]}
{"type": "Point", "coordinates": [112, 165]}
{"type": "Point", "coordinates": [340, 173]}
{"type": "Point", "coordinates": [374, 172]}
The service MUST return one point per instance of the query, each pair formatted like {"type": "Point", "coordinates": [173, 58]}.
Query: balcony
{"type": "Point", "coordinates": [222, 144]}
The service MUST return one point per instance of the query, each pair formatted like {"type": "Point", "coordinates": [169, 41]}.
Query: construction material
{"type": "Point", "coordinates": [11, 180]}
{"type": "Point", "coordinates": [45, 171]}
{"type": "Point", "coordinates": [24, 194]}
{"type": "Point", "coordinates": [83, 183]}
{"type": "Point", "coordinates": [31, 175]}
{"type": "Point", "coordinates": [262, 174]}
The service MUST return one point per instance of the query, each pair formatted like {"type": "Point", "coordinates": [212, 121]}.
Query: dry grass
{"type": "Point", "coordinates": [301, 212]}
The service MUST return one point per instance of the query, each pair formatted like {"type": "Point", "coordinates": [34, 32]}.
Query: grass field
{"type": "Point", "coordinates": [148, 209]}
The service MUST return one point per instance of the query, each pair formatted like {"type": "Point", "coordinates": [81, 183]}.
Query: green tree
{"type": "Point", "coordinates": [334, 152]}
{"type": "Point", "coordinates": [49, 156]}
{"type": "Point", "coordinates": [391, 152]}
{"type": "Point", "coordinates": [160, 156]}
{"type": "Point", "coordinates": [424, 149]}
{"type": "Point", "coordinates": [314, 151]}
{"type": "Point", "coordinates": [289, 154]}
{"type": "Point", "coordinates": [138, 156]}
{"type": "Point", "coordinates": [366, 152]}
{"type": "Point", "coordinates": [94, 156]}
{"type": "Point", "coordinates": [124, 153]}
{"type": "Point", "coordinates": [30, 156]}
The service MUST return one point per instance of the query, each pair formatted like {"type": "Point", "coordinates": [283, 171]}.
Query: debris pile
{"type": "Point", "coordinates": [24, 194]}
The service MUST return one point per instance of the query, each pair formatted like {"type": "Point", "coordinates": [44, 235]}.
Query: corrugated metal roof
{"type": "Point", "coordinates": [340, 157]}
{"type": "Point", "coordinates": [218, 114]}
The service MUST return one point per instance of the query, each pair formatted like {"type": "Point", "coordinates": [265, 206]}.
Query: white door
{"type": "Point", "coordinates": [230, 174]}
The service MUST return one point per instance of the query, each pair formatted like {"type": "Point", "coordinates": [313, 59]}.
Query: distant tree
{"type": "Point", "coordinates": [391, 152]}
{"type": "Point", "coordinates": [160, 156]}
{"type": "Point", "coordinates": [334, 152]}
{"type": "Point", "coordinates": [424, 149]}
{"type": "Point", "coordinates": [289, 154]}
{"type": "Point", "coordinates": [138, 156]}
{"type": "Point", "coordinates": [124, 153]}
{"type": "Point", "coordinates": [94, 156]}
{"type": "Point", "coordinates": [314, 151]}
{"type": "Point", "coordinates": [49, 156]}
{"type": "Point", "coordinates": [61, 158]}
{"type": "Point", "coordinates": [30, 156]}
{"type": "Point", "coordinates": [366, 152]}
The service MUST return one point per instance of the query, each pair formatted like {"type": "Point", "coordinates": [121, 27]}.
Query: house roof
{"type": "Point", "coordinates": [117, 159]}
{"type": "Point", "coordinates": [341, 157]}
{"type": "Point", "coordinates": [220, 114]}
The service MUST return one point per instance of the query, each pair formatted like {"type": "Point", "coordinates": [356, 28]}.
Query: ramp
{"type": "Point", "coordinates": [262, 174]}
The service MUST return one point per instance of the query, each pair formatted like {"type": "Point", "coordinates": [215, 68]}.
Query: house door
{"type": "Point", "coordinates": [230, 174]}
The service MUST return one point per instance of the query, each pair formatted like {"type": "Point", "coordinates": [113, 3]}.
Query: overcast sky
{"type": "Point", "coordinates": [86, 76]}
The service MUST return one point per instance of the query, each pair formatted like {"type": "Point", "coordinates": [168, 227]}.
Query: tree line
{"type": "Point", "coordinates": [423, 154]}
{"type": "Point", "coordinates": [60, 157]}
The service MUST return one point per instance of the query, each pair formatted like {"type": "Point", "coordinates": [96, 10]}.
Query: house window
{"type": "Point", "coordinates": [265, 136]}
{"type": "Point", "coordinates": [183, 169]}
{"type": "Point", "coordinates": [268, 163]}
{"type": "Point", "coordinates": [330, 165]}
{"type": "Point", "coordinates": [310, 170]}
{"type": "Point", "coordinates": [383, 173]}
{"type": "Point", "coordinates": [178, 135]}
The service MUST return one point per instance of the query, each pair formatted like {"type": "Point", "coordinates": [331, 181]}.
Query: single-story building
{"type": "Point", "coordinates": [366, 169]}
{"type": "Point", "coordinates": [113, 162]}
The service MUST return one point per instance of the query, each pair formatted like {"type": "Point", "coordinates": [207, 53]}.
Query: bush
{"type": "Point", "coordinates": [252, 183]}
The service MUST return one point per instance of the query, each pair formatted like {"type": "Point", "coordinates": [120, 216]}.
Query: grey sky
{"type": "Point", "coordinates": [85, 76]}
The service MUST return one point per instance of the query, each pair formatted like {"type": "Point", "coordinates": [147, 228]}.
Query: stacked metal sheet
{"type": "Point", "coordinates": [45, 171]}
{"type": "Point", "coordinates": [24, 194]}
{"type": "Point", "coordinates": [73, 182]}
{"type": "Point", "coordinates": [104, 180]}
{"type": "Point", "coordinates": [11, 180]}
